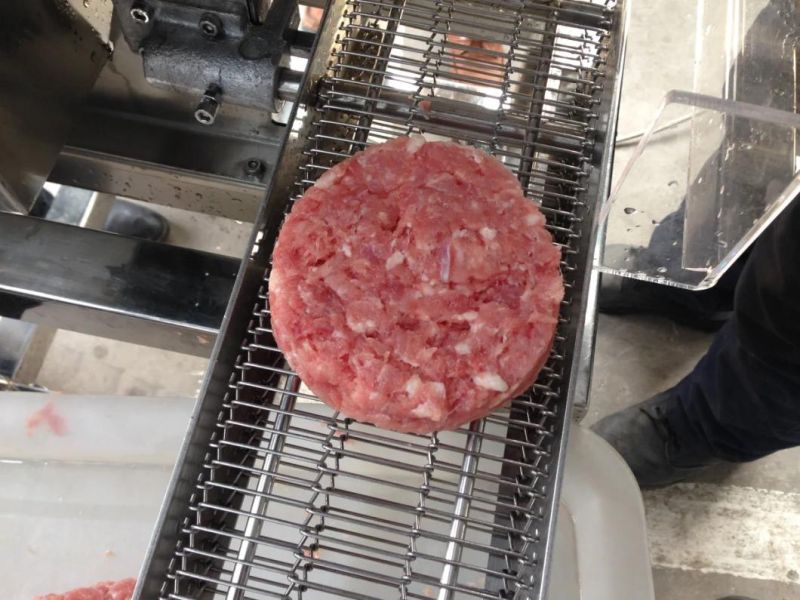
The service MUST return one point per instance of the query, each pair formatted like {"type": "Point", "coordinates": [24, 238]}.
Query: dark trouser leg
{"type": "Point", "coordinates": [742, 400]}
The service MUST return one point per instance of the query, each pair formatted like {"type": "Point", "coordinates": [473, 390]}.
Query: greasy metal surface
{"type": "Point", "coordinates": [160, 184]}
{"type": "Point", "coordinates": [112, 286]}
{"type": "Point", "coordinates": [278, 496]}
{"type": "Point", "coordinates": [49, 60]}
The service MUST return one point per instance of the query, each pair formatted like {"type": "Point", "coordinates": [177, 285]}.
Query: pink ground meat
{"type": "Point", "coordinates": [414, 286]}
{"type": "Point", "coordinates": [105, 590]}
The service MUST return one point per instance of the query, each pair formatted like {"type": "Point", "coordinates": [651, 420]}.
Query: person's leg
{"type": "Point", "coordinates": [742, 400]}
{"type": "Point", "coordinates": [744, 395]}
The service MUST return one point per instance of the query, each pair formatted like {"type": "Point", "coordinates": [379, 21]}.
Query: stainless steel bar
{"type": "Point", "coordinates": [154, 182]}
{"type": "Point", "coordinates": [580, 14]}
{"type": "Point", "coordinates": [458, 527]}
{"type": "Point", "coordinates": [582, 368]}
{"type": "Point", "coordinates": [484, 36]}
{"type": "Point", "coordinates": [94, 282]}
{"type": "Point", "coordinates": [252, 528]}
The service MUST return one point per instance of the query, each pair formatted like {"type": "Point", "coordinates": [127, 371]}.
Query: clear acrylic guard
{"type": "Point", "coordinates": [717, 164]}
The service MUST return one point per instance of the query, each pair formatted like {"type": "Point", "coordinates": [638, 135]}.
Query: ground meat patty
{"type": "Point", "coordinates": [414, 287]}
{"type": "Point", "coordinates": [105, 590]}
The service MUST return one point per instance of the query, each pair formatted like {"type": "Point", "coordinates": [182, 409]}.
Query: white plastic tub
{"type": "Point", "coordinates": [79, 506]}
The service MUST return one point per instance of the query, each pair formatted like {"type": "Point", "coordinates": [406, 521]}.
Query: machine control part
{"type": "Point", "coordinates": [206, 112]}
{"type": "Point", "coordinates": [185, 46]}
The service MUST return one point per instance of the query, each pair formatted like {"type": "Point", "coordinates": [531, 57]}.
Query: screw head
{"type": "Point", "coordinates": [206, 111]}
{"type": "Point", "coordinates": [141, 13]}
{"type": "Point", "coordinates": [204, 117]}
{"type": "Point", "coordinates": [254, 167]}
{"type": "Point", "coordinates": [210, 25]}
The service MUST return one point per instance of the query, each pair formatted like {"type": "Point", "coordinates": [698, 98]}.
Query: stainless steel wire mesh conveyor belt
{"type": "Point", "coordinates": [277, 496]}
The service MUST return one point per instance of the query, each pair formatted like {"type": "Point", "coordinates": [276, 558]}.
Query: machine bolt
{"type": "Point", "coordinates": [206, 111]}
{"type": "Point", "coordinates": [210, 26]}
{"type": "Point", "coordinates": [141, 13]}
{"type": "Point", "coordinates": [254, 167]}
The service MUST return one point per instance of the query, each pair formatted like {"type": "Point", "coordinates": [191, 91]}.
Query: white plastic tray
{"type": "Point", "coordinates": [79, 506]}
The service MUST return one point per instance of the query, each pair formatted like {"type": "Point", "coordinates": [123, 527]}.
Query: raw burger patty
{"type": "Point", "coordinates": [414, 286]}
{"type": "Point", "coordinates": [105, 590]}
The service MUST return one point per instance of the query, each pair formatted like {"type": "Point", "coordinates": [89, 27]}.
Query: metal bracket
{"type": "Point", "coordinates": [211, 46]}
{"type": "Point", "coordinates": [111, 285]}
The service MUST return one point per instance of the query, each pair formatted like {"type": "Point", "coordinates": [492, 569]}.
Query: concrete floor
{"type": "Point", "coordinates": [735, 532]}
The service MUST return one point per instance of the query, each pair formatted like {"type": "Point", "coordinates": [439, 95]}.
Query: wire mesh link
{"type": "Point", "coordinates": [296, 501]}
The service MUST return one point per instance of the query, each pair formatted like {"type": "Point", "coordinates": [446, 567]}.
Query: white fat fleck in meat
{"type": "Point", "coordinates": [431, 394]}
{"type": "Point", "coordinates": [534, 219]}
{"type": "Point", "coordinates": [444, 264]}
{"type": "Point", "coordinates": [346, 250]}
{"type": "Point", "coordinates": [327, 179]}
{"type": "Point", "coordinates": [275, 282]}
{"type": "Point", "coordinates": [415, 142]}
{"type": "Point", "coordinates": [477, 156]}
{"type": "Point", "coordinates": [466, 316]}
{"type": "Point", "coordinates": [490, 381]}
{"type": "Point", "coordinates": [367, 326]}
{"type": "Point", "coordinates": [437, 388]}
{"type": "Point", "coordinates": [412, 384]}
{"type": "Point", "coordinates": [462, 348]}
{"type": "Point", "coordinates": [395, 259]}
{"type": "Point", "coordinates": [488, 233]}
{"type": "Point", "coordinates": [428, 410]}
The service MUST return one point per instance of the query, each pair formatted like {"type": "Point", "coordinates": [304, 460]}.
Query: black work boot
{"type": "Point", "coordinates": [127, 218]}
{"type": "Point", "coordinates": [706, 310]}
{"type": "Point", "coordinates": [622, 295]}
{"type": "Point", "coordinates": [654, 452]}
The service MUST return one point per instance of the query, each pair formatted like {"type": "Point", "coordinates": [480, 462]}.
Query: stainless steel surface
{"type": "Point", "coordinates": [97, 211]}
{"type": "Point", "coordinates": [466, 486]}
{"type": "Point", "coordinates": [15, 337]}
{"type": "Point", "coordinates": [345, 509]}
{"type": "Point", "coordinates": [599, 179]}
{"type": "Point", "coordinates": [112, 286]}
{"type": "Point", "coordinates": [140, 141]}
{"type": "Point", "coordinates": [258, 10]}
{"type": "Point", "coordinates": [160, 184]}
{"type": "Point", "coordinates": [263, 488]}
{"type": "Point", "coordinates": [23, 347]}
{"type": "Point", "coordinates": [49, 60]}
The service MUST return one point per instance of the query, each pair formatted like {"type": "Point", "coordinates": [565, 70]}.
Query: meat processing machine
{"type": "Point", "coordinates": [234, 108]}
